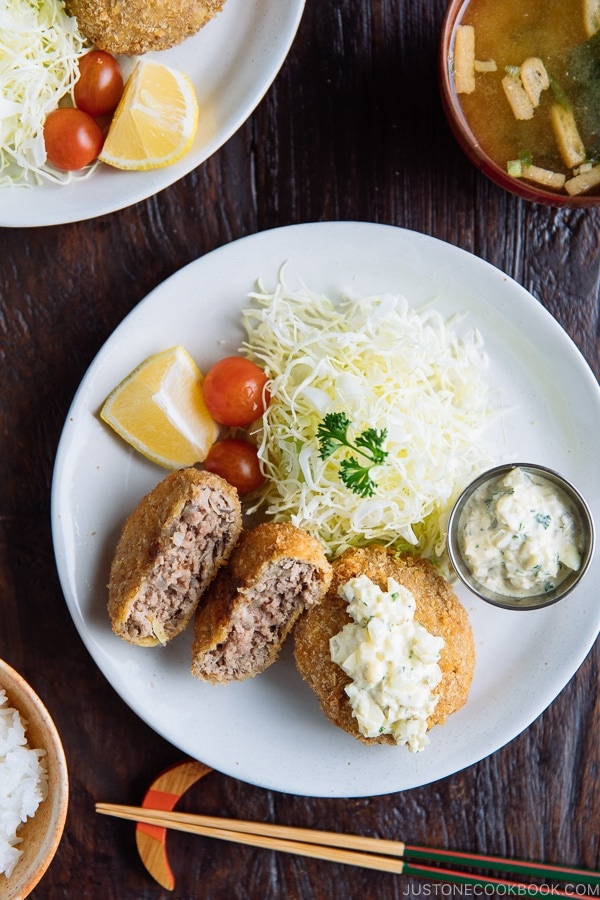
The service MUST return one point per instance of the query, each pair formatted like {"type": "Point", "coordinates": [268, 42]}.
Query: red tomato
{"type": "Point", "coordinates": [236, 461]}
{"type": "Point", "coordinates": [100, 83]}
{"type": "Point", "coordinates": [73, 139]}
{"type": "Point", "coordinates": [233, 391]}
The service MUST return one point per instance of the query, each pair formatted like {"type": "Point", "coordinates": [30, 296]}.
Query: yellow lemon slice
{"type": "Point", "coordinates": [156, 120]}
{"type": "Point", "coordinates": [159, 409]}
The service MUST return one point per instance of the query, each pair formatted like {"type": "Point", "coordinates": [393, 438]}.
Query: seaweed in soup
{"type": "Point", "coordinates": [552, 135]}
{"type": "Point", "coordinates": [583, 84]}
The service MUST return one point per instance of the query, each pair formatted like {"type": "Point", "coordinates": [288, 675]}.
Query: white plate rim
{"type": "Point", "coordinates": [362, 775]}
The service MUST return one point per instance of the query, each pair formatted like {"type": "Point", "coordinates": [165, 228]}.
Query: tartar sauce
{"type": "Point", "coordinates": [520, 535]}
{"type": "Point", "coordinates": [392, 661]}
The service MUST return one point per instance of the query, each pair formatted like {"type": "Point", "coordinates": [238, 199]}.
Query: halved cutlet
{"type": "Point", "coordinates": [170, 549]}
{"type": "Point", "coordinates": [275, 572]}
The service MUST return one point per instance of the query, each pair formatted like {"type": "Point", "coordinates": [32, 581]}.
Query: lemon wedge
{"type": "Point", "coordinates": [159, 410]}
{"type": "Point", "coordinates": [156, 120]}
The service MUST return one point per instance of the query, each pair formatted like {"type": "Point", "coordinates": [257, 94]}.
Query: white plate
{"type": "Point", "coordinates": [232, 61]}
{"type": "Point", "coordinates": [269, 731]}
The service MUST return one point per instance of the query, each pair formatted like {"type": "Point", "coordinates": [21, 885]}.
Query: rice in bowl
{"type": "Point", "coordinates": [23, 783]}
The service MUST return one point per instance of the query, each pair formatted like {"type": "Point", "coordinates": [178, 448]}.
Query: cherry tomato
{"type": "Point", "coordinates": [236, 461]}
{"type": "Point", "coordinates": [233, 391]}
{"type": "Point", "coordinates": [100, 83]}
{"type": "Point", "coordinates": [73, 139]}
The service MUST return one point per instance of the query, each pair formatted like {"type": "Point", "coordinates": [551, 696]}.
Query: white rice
{"type": "Point", "coordinates": [23, 783]}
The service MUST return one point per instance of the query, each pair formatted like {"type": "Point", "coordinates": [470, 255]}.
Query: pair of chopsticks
{"type": "Point", "coordinates": [371, 853]}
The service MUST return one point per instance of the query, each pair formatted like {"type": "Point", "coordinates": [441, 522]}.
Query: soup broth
{"type": "Point", "coordinates": [556, 141]}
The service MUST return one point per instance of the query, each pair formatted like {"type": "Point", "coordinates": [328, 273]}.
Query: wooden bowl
{"type": "Point", "coordinates": [41, 834]}
{"type": "Point", "coordinates": [468, 141]}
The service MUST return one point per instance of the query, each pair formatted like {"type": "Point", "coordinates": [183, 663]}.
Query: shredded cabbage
{"type": "Point", "coordinates": [387, 366]}
{"type": "Point", "coordinates": [39, 48]}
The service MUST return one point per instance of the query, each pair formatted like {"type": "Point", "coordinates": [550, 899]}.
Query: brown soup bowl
{"type": "Point", "coordinates": [469, 142]}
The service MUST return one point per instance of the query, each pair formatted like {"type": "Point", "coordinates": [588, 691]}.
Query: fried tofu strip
{"type": "Point", "coordinates": [485, 65]}
{"type": "Point", "coordinates": [464, 59]}
{"type": "Point", "coordinates": [567, 136]}
{"type": "Point", "coordinates": [584, 182]}
{"type": "Point", "coordinates": [517, 97]}
{"type": "Point", "coordinates": [534, 79]}
{"type": "Point", "coordinates": [591, 16]}
{"type": "Point", "coordinates": [553, 180]}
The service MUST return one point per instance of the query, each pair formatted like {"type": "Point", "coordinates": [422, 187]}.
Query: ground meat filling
{"type": "Point", "coordinates": [289, 586]}
{"type": "Point", "coordinates": [184, 565]}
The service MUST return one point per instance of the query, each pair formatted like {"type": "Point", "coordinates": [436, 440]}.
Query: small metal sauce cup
{"type": "Point", "coordinates": [537, 601]}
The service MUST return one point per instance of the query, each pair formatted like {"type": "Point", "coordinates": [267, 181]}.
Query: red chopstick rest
{"type": "Point", "coordinates": [163, 794]}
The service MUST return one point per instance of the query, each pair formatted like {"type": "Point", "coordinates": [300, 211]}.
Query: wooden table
{"type": "Point", "coordinates": [351, 129]}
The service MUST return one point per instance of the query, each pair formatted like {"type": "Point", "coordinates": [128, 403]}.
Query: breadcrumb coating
{"type": "Point", "coordinates": [170, 549]}
{"type": "Point", "coordinates": [438, 610]}
{"type": "Point", "coordinates": [132, 27]}
{"type": "Point", "coordinates": [275, 572]}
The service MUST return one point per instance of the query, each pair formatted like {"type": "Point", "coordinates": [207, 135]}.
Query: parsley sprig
{"type": "Point", "coordinates": [333, 434]}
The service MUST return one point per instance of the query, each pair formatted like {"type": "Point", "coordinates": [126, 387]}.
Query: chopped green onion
{"type": "Point", "coordinates": [525, 157]}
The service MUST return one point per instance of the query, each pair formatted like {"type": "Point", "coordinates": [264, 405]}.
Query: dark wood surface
{"type": "Point", "coordinates": [352, 128]}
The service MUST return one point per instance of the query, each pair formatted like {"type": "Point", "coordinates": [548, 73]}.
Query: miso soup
{"type": "Point", "coordinates": [527, 74]}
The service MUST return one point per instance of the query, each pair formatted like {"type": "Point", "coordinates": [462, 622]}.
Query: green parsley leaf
{"type": "Point", "coordinates": [332, 434]}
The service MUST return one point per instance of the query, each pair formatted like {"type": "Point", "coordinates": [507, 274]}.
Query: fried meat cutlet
{"type": "Point", "coordinates": [275, 572]}
{"type": "Point", "coordinates": [132, 27]}
{"type": "Point", "coordinates": [170, 549]}
{"type": "Point", "coordinates": [437, 609]}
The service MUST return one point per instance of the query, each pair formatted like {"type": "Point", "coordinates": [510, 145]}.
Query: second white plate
{"type": "Point", "coordinates": [232, 61]}
{"type": "Point", "coordinates": [270, 731]}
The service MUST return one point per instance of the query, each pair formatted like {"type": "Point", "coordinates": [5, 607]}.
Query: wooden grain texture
{"type": "Point", "coordinates": [351, 129]}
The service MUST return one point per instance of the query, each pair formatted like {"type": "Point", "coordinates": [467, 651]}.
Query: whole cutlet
{"type": "Point", "coordinates": [437, 609]}
{"type": "Point", "coordinates": [170, 549]}
{"type": "Point", "coordinates": [275, 572]}
{"type": "Point", "coordinates": [133, 27]}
